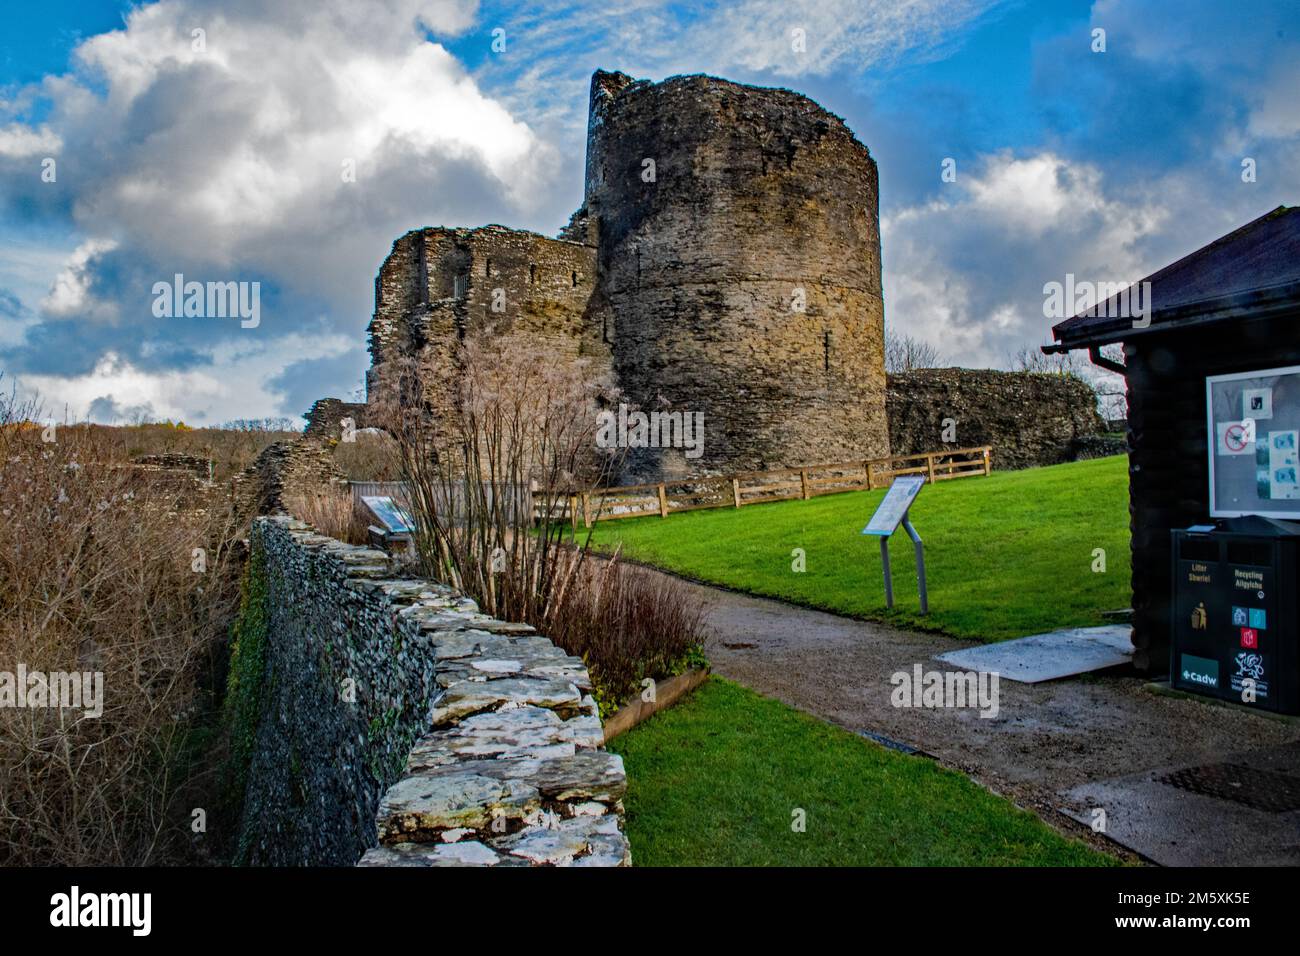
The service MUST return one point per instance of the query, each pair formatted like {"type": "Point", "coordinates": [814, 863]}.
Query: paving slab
{"type": "Point", "coordinates": [1051, 656]}
{"type": "Point", "coordinates": [1236, 810]}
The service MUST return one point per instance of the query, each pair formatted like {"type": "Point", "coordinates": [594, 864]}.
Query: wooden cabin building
{"type": "Point", "coordinates": [1232, 306]}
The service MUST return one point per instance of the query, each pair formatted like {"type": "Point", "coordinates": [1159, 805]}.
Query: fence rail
{"type": "Point", "coordinates": [781, 484]}
{"type": "Point", "coordinates": [728, 491]}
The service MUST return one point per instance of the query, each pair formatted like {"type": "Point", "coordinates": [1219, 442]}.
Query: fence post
{"type": "Point", "coordinates": [987, 463]}
{"type": "Point", "coordinates": [663, 501]}
{"type": "Point", "coordinates": [870, 483]}
{"type": "Point", "coordinates": [573, 514]}
{"type": "Point", "coordinates": [929, 463]}
{"type": "Point", "coordinates": [735, 491]}
{"type": "Point", "coordinates": [803, 479]}
{"type": "Point", "coordinates": [586, 510]}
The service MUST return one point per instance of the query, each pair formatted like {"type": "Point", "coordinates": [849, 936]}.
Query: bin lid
{"type": "Point", "coordinates": [1256, 526]}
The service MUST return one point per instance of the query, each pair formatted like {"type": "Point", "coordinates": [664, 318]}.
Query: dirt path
{"type": "Point", "coordinates": [1046, 738]}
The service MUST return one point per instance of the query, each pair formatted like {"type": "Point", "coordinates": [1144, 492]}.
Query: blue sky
{"type": "Point", "coordinates": [223, 162]}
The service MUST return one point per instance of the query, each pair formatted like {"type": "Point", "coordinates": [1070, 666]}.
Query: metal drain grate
{"type": "Point", "coordinates": [1260, 789]}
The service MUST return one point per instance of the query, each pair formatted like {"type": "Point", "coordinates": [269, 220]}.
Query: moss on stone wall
{"type": "Point", "coordinates": [324, 707]}
{"type": "Point", "coordinates": [242, 708]}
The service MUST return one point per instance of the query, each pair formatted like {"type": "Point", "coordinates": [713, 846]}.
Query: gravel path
{"type": "Point", "coordinates": [1045, 739]}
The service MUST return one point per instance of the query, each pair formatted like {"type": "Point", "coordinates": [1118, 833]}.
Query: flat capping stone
{"type": "Point", "coordinates": [510, 769]}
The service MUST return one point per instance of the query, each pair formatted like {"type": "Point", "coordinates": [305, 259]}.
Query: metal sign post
{"type": "Point", "coordinates": [920, 562]}
{"type": "Point", "coordinates": [893, 511]}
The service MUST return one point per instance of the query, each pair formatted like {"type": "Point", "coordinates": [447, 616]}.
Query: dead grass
{"type": "Point", "coordinates": [373, 456]}
{"type": "Point", "coordinates": [626, 625]}
{"type": "Point", "coordinates": [331, 513]}
{"type": "Point", "coordinates": [230, 450]}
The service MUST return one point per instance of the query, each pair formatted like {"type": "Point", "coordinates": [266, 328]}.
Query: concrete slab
{"type": "Point", "coordinates": [1042, 657]}
{"type": "Point", "coordinates": [1174, 826]}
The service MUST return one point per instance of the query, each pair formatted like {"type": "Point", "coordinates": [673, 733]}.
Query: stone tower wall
{"type": "Point", "coordinates": [440, 285]}
{"type": "Point", "coordinates": [759, 197]}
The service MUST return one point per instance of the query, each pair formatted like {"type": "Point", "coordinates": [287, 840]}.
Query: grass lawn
{"type": "Point", "coordinates": [1007, 555]}
{"type": "Point", "coordinates": [715, 781]}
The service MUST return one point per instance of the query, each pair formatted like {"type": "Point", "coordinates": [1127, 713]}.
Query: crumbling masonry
{"type": "Point", "coordinates": [725, 261]}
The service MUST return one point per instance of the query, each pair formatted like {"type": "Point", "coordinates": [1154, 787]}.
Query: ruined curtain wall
{"type": "Point", "coordinates": [440, 285]}
{"type": "Point", "coordinates": [1029, 418]}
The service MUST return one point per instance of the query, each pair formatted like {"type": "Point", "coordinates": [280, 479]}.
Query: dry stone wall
{"type": "Point", "coordinates": [1029, 418]}
{"type": "Point", "coordinates": [326, 416]}
{"type": "Point", "coordinates": [400, 726]}
{"type": "Point", "coordinates": [295, 466]}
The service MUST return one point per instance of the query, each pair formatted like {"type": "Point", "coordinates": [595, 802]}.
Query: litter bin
{"type": "Point", "coordinates": [1235, 633]}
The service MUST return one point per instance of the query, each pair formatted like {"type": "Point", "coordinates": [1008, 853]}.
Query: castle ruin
{"type": "Point", "coordinates": [725, 261]}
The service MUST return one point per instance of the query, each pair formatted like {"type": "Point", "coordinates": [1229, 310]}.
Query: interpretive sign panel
{"type": "Point", "coordinates": [390, 514]}
{"type": "Point", "coordinates": [893, 507]}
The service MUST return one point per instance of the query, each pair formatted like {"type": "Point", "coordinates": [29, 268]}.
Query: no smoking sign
{"type": "Point", "coordinates": [1236, 438]}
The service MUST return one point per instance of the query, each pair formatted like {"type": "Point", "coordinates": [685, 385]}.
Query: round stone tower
{"type": "Point", "coordinates": [739, 251]}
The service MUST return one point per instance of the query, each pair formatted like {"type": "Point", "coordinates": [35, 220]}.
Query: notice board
{"type": "Point", "coordinates": [1253, 432]}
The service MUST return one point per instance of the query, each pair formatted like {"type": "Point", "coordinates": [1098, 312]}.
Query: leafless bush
{"type": "Point", "coordinates": [1112, 398]}
{"type": "Point", "coordinates": [518, 442]}
{"type": "Point", "coordinates": [331, 513]}
{"type": "Point", "coordinates": [489, 484]}
{"type": "Point", "coordinates": [98, 567]}
{"type": "Point", "coordinates": [626, 624]}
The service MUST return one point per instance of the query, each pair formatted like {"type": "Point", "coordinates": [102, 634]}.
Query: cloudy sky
{"type": "Point", "coordinates": [220, 155]}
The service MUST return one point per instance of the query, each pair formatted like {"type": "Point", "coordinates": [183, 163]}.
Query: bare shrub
{"type": "Point", "coordinates": [98, 569]}
{"type": "Point", "coordinates": [519, 441]}
{"type": "Point", "coordinates": [489, 487]}
{"type": "Point", "coordinates": [906, 354]}
{"type": "Point", "coordinates": [331, 513]}
{"type": "Point", "coordinates": [627, 624]}
{"type": "Point", "coordinates": [1110, 388]}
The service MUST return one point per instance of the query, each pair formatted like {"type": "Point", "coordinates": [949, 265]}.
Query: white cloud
{"type": "Point", "coordinates": [738, 39]}
{"type": "Point", "coordinates": [965, 271]}
{"type": "Point", "coordinates": [70, 295]}
{"type": "Point", "coordinates": [225, 161]}
{"type": "Point", "coordinates": [1275, 105]}
{"type": "Point", "coordinates": [759, 34]}
{"type": "Point", "coordinates": [209, 154]}
{"type": "Point", "coordinates": [19, 142]}
{"type": "Point", "coordinates": [233, 384]}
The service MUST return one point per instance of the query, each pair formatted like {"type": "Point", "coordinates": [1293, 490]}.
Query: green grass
{"type": "Point", "coordinates": [715, 781]}
{"type": "Point", "coordinates": [1007, 555]}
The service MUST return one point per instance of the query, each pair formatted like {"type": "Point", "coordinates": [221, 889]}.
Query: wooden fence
{"type": "Point", "coordinates": [729, 491]}
{"type": "Point", "coordinates": [783, 484]}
